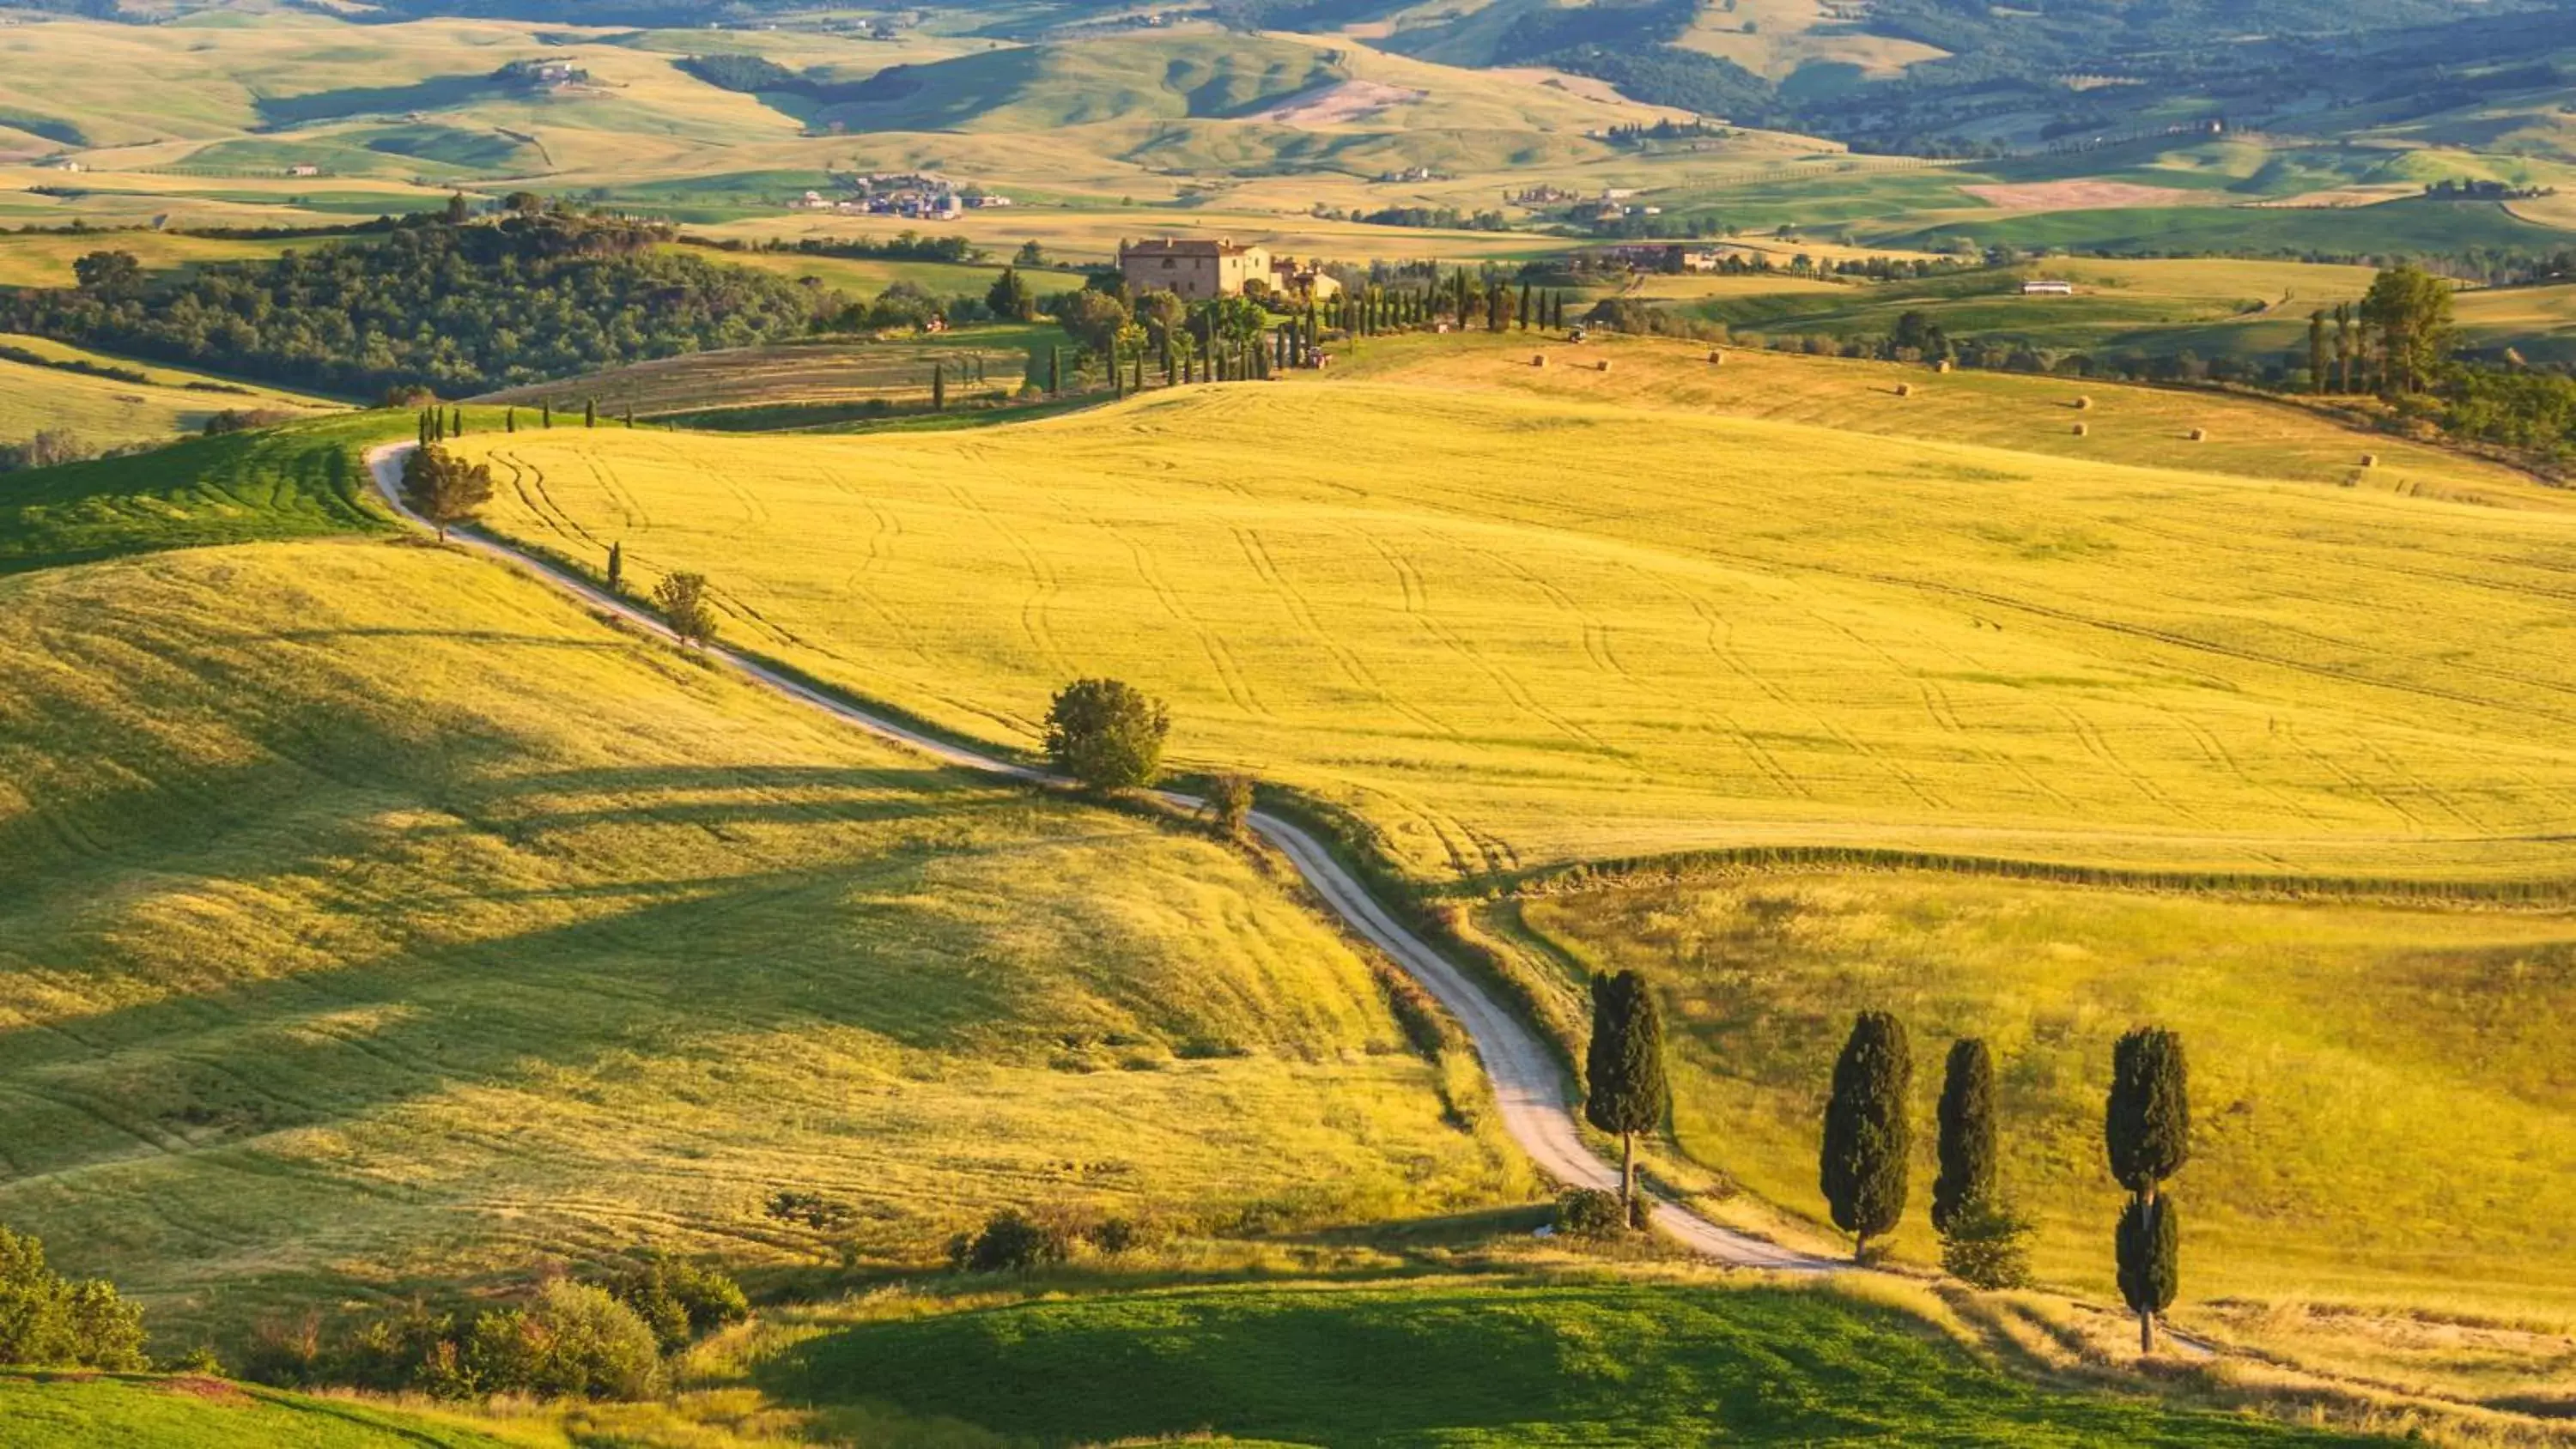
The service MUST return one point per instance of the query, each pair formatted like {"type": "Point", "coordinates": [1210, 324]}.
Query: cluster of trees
{"type": "Point", "coordinates": [906, 245]}
{"type": "Point", "coordinates": [1868, 1153]}
{"type": "Point", "coordinates": [52, 446]}
{"type": "Point", "coordinates": [49, 1321]}
{"type": "Point", "coordinates": [463, 307]}
{"type": "Point", "coordinates": [1445, 217]}
{"type": "Point", "coordinates": [563, 1338]}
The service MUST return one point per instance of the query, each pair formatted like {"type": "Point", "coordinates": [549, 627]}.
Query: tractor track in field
{"type": "Point", "coordinates": [1530, 1092]}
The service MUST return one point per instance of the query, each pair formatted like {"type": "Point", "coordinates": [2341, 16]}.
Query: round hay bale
{"type": "Point", "coordinates": [2084, 404]}
{"type": "Point", "coordinates": [2083, 429]}
{"type": "Point", "coordinates": [1602, 366]}
{"type": "Point", "coordinates": [2370, 460]}
{"type": "Point", "coordinates": [1539, 361]}
{"type": "Point", "coordinates": [1905, 389]}
{"type": "Point", "coordinates": [1715, 357]}
{"type": "Point", "coordinates": [1942, 366]}
{"type": "Point", "coordinates": [2200, 435]}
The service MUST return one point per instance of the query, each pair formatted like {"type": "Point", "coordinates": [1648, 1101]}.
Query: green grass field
{"type": "Point", "coordinates": [101, 410]}
{"type": "Point", "coordinates": [1448, 1363]}
{"type": "Point", "coordinates": [1499, 657]}
{"type": "Point", "coordinates": [58, 1411]}
{"type": "Point", "coordinates": [2379, 1101]}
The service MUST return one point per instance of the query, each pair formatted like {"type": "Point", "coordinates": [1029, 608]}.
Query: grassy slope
{"type": "Point", "coordinates": [109, 410]}
{"type": "Point", "coordinates": [1461, 1364]}
{"type": "Point", "coordinates": [2381, 1101]}
{"type": "Point", "coordinates": [790, 373]}
{"type": "Point", "coordinates": [373, 918]}
{"type": "Point", "coordinates": [293, 482]}
{"type": "Point", "coordinates": [41, 1411]}
{"type": "Point", "coordinates": [1567, 630]}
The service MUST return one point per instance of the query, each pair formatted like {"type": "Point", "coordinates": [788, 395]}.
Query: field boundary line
{"type": "Point", "coordinates": [1529, 1089]}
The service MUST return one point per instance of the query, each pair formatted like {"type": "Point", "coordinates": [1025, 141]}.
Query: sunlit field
{"type": "Point", "coordinates": [2382, 1111]}
{"type": "Point", "coordinates": [372, 920]}
{"type": "Point", "coordinates": [1508, 631]}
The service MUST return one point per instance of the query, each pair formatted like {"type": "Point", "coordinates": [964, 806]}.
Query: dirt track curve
{"type": "Point", "coordinates": [1527, 1084]}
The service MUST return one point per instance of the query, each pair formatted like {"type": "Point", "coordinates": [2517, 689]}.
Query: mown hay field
{"type": "Point", "coordinates": [2383, 1117]}
{"type": "Point", "coordinates": [372, 920]}
{"type": "Point", "coordinates": [1508, 631]}
{"type": "Point", "coordinates": [2245, 436]}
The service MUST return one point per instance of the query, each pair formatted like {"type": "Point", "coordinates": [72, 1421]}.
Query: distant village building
{"type": "Point", "coordinates": [1196, 271]}
{"type": "Point", "coordinates": [304, 168]}
{"type": "Point", "coordinates": [2047, 287]}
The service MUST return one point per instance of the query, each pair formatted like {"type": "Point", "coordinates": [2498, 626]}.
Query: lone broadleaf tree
{"type": "Point", "coordinates": [2146, 1128]}
{"type": "Point", "coordinates": [1107, 734]}
{"type": "Point", "coordinates": [1967, 1147]}
{"type": "Point", "coordinates": [444, 489]}
{"type": "Point", "coordinates": [686, 607]}
{"type": "Point", "coordinates": [1625, 1089]}
{"type": "Point", "coordinates": [1867, 1138]}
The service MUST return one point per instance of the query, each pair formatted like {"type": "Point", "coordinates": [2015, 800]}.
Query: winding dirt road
{"type": "Point", "coordinates": [1528, 1087]}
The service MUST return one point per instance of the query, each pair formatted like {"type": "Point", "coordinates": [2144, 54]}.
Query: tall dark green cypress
{"type": "Point", "coordinates": [2146, 1123]}
{"type": "Point", "coordinates": [1625, 1088]}
{"type": "Point", "coordinates": [1967, 1146]}
{"type": "Point", "coordinates": [1868, 1140]}
{"type": "Point", "coordinates": [590, 412]}
{"type": "Point", "coordinates": [459, 429]}
{"type": "Point", "coordinates": [2149, 1242]}
{"type": "Point", "coordinates": [1525, 306]}
{"type": "Point", "coordinates": [2317, 351]}
{"type": "Point", "coordinates": [2146, 1129]}
{"type": "Point", "coordinates": [616, 567]}
{"type": "Point", "coordinates": [509, 420]}
{"type": "Point", "coordinates": [1055, 369]}
{"type": "Point", "coordinates": [546, 415]}
{"type": "Point", "coordinates": [939, 387]}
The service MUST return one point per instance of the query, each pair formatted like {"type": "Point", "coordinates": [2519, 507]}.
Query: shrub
{"type": "Point", "coordinates": [1589, 1212]}
{"type": "Point", "coordinates": [242, 420]}
{"type": "Point", "coordinates": [1107, 734]}
{"type": "Point", "coordinates": [1229, 805]}
{"type": "Point", "coordinates": [680, 1301]}
{"type": "Point", "coordinates": [1012, 1241]}
{"type": "Point", "coordinates": [1986, 1247]}
{"type": "Point", "coordinates": [48, 1320]}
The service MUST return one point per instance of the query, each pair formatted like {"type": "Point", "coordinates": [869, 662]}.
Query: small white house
{"type": "Point", "coordinates": [304, 169]}
{"type": "Point", "coordinates": [2047, 287]}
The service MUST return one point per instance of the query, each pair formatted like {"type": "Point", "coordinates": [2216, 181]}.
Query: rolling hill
{"type": "Point", "coordinates": [1919, 645]}
{"type": "Point", "coordinates": [377, 921]}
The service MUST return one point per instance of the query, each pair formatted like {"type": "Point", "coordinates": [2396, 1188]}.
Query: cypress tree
{"type": "Point", "coordinates": [2317, 351]}
{"type": "Point", "coordinates": [546, 415]}
{"type": "Point", "coordinates": [421, 422]}
{"type": "Point", "coordinates": [1055, 369]}
{"type": "Point", "coordinates": [1625, 1089]}
{"type": "Point", "coordinates": [616, 567]}
{"type": "Point", "coordinates": [459, 429]}
{"type": "Point", "coordinates": [2149, 1242]}
{"type": "Point", "coordinates": [1867, 1137]}
{"type": "Point", "coordinates": [630, 417]}
{"type": "Point", "coordinates": [1137, 382]}
{"type": "Point", "coordinates": [590, 412]}
{"type": "Point", "coordinates": [1525, 306]}
{"type": "Point", "coordinates": [509, 420]}
{"type": "Point", "coordinates": [938, 387]}
{"type": "Point", "coordinates": [2146, 1124]}
{"type": "Point", "coordinates": [1967, 1178]}
{"type": "Point", "coordinates": [2146, 1127]}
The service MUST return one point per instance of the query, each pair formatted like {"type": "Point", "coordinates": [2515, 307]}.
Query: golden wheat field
{"type": "Point", "coordinates": [1515, 630]}
{"type": "Point", "coordinates": [371, 919]}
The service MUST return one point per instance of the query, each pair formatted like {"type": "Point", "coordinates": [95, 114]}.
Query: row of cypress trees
{"type": "Point", "coordinates": [1867, 1153]}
